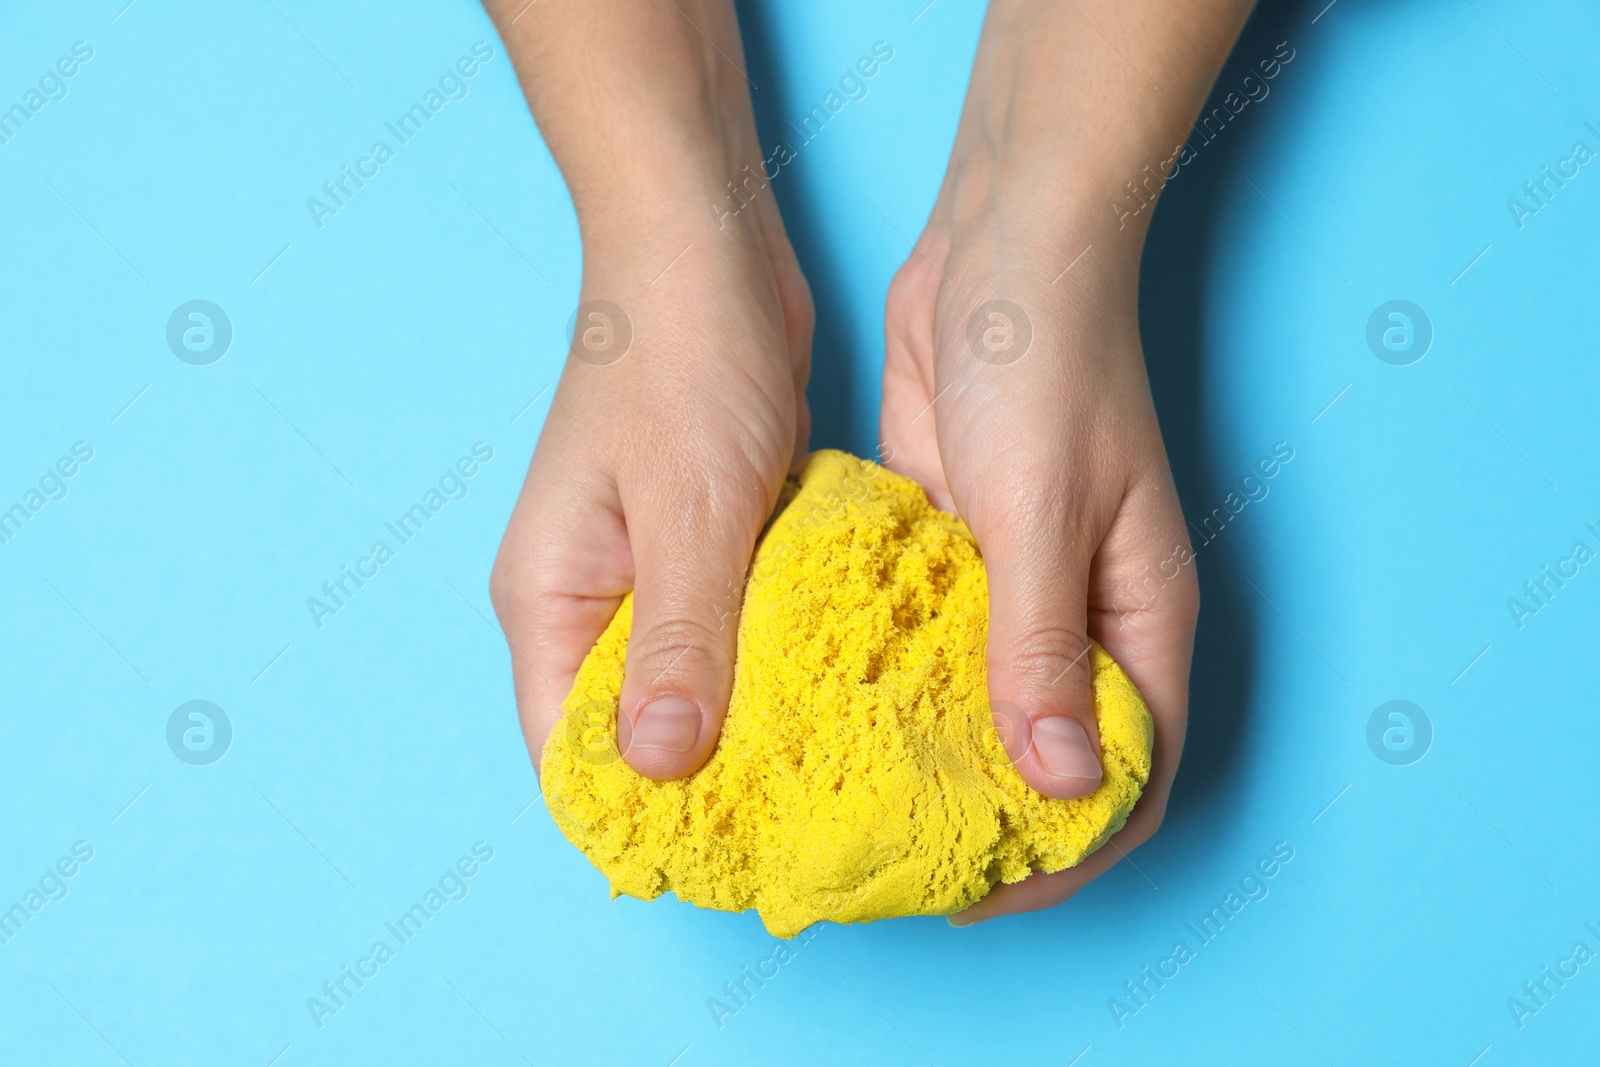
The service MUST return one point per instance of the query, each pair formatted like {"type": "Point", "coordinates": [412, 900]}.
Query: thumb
{"type": "Point", "coordinates": [1039, 652]}
{"type": "Point", "coordinates": [689, 565]}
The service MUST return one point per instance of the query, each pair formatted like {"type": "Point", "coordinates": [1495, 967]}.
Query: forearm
{"type": "Point", "coordinates": [1071, 100]}
{"type": "Point", "coordinates": [644, 106]}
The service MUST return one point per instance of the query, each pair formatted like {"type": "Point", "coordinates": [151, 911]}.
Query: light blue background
{"type": "Point", "coordinates": [429, 314]}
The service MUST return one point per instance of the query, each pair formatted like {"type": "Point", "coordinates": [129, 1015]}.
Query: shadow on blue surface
{"type": "Point", "coordinates": [833, 351]}
{"type": "Point", "coordinates": [1171, 321]}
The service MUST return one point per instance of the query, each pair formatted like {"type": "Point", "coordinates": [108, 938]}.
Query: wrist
{"type": "Point", "coordinates": [1062, 121]}
{"type": "Point", "coordinates": [657, 165]}
{"type": "Point", "coordinates": [678, 217]}
{"type": "Point", "coordinates": [677, 185]}
{"type": "Point", "coordinates": [645, 108]}
{"type": "Point", "coordinates": [1059, 176]}
{"type": "Point", "coordinates": [1062, 228]}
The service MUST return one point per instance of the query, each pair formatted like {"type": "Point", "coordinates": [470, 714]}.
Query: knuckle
{"type": "Point", "coordinates": [515, 584]}
{"type": "Point", "coordinates": [509, 589]}
{"type": "Point", "coordinates": [524, 594]}
{"type": "Point", "coordinates": [901, 287]}
{"type": "Point", "coordinates": [502, 588]}
{"type": "Point", "coordinates": [1026, 512]}
{"type": "Point", "coordinates": [1046, 655]}
{"type": "Point", "coordinates": [677, 646]}
{"type": "Point", "coordinates": [726, 486]}
{"type": "Point", "coordinates": [805, 309]}
{"type": "Point", "coordinates": [750, 472]}
{"type": "Point", "coordinates": [913, 281]}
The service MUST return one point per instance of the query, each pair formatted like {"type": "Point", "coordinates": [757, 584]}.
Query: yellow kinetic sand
{"type": "Point", "coordinates": [858, 775]}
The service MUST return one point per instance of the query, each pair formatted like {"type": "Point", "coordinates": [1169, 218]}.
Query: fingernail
{"type": "Point", "coordinates": [960, 921]}
{"type": "Point", "coordinates": [1064, 749]}
{"type": "Point", "coordinates": [670, 723]}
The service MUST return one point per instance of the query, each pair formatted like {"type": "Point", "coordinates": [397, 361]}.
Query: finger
{"type": "Point", "coordinates": [1039, 891]}
{"type": "Point", "coordinates": [1144, 602]}
{"type": "Point", "coordinates": [1037, 553]}
{"type": "Point", "coordinates": [1150, 634]}
{"type": "Point", "coordinates": [562, 568]}
{"type": "Point", "coordinates": [691, 548]}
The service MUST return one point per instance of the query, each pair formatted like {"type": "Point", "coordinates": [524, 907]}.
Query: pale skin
{"type": "Point", "coordinates": [657, 472]}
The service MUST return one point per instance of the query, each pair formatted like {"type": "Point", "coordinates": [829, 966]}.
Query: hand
{"type": "Point", "coordinates": [658, 465]}
{"type": "Point", "coordinates": [656, 473]}
{"type": "Point", "coordinates": [1034, 423]}
{"type": "Point", "coordinates": [1032, 419]}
